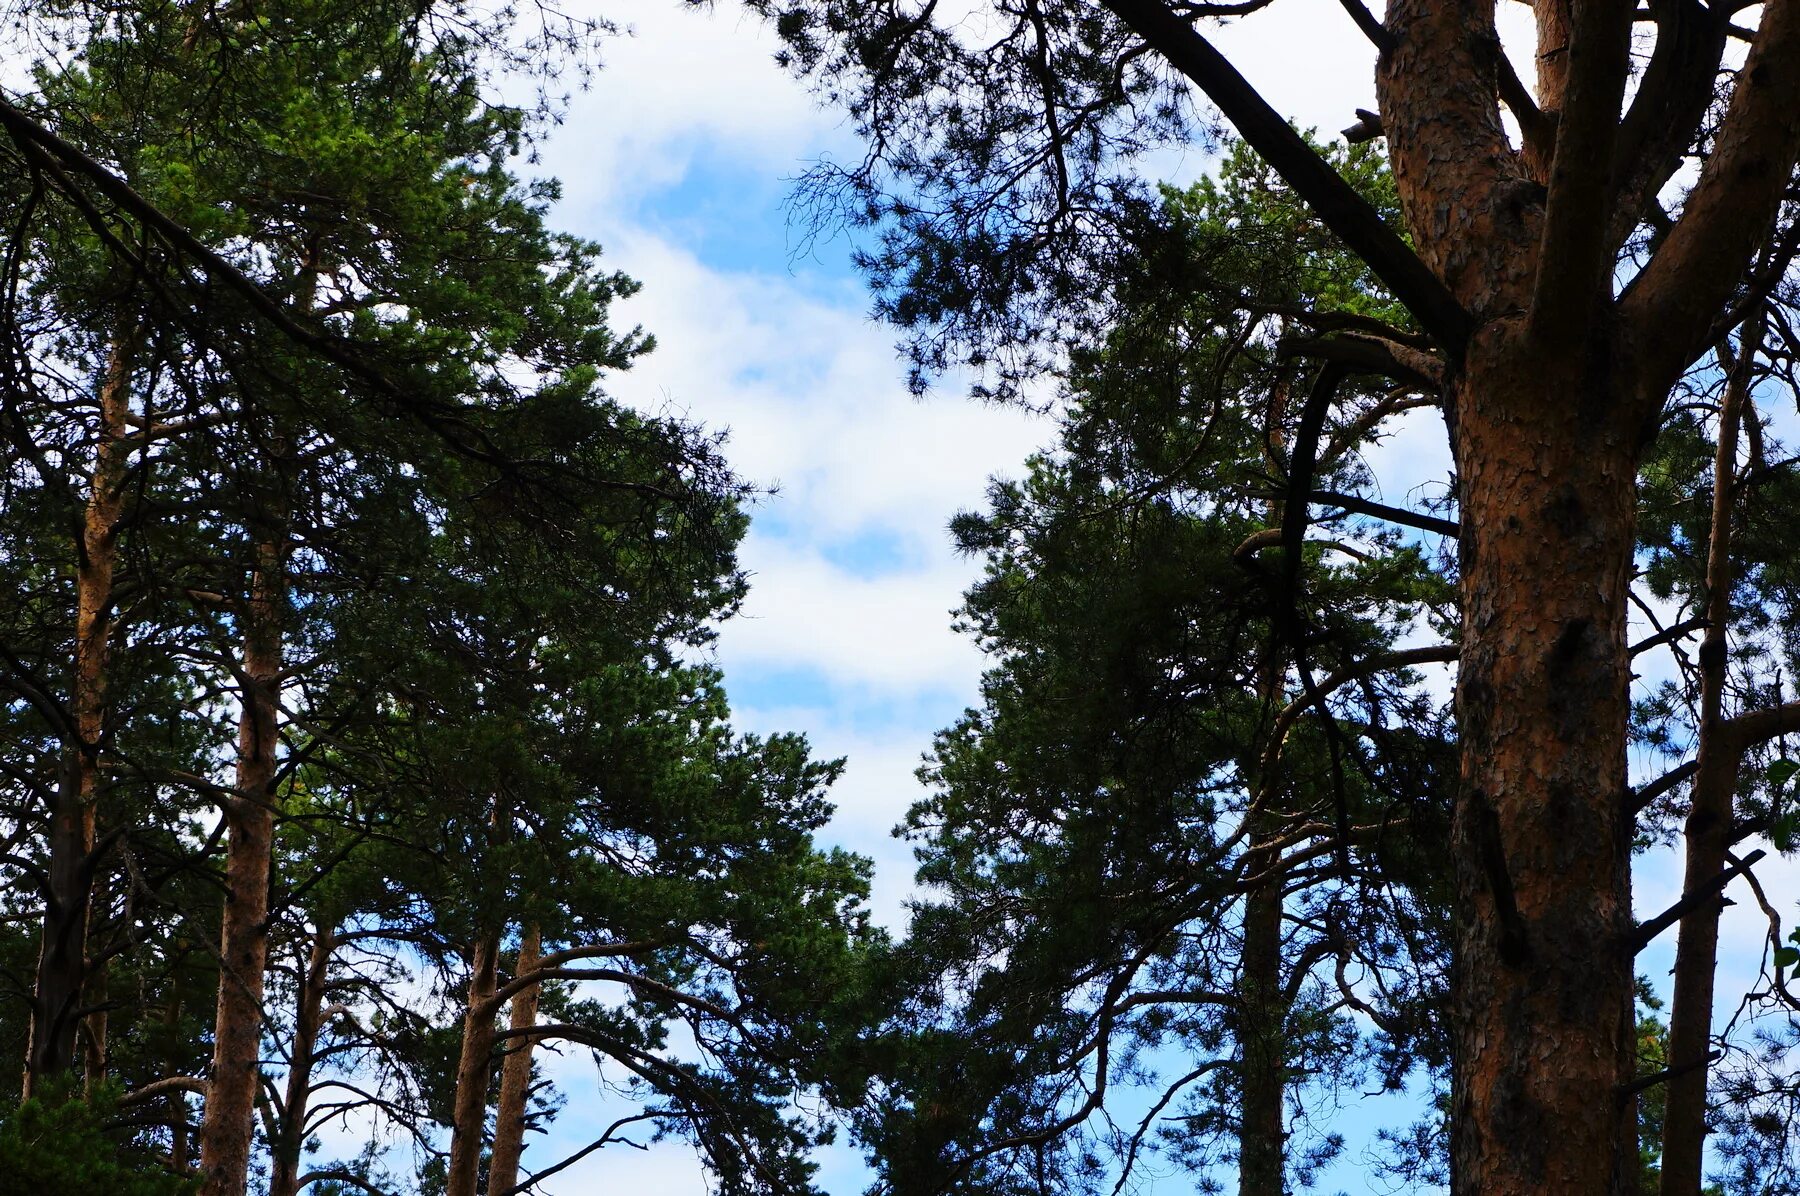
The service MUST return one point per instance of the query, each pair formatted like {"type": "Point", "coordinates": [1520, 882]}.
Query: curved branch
{"type": "Point", "coordinates": [158, 1088]}
{"type": "Point", "coordinates": [1669, 105]}
{"type": "Point", "coordinates": [341, 1177]}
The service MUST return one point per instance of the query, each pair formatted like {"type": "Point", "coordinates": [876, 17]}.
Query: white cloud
{"type": "Point", "coordinates": [679, 82]}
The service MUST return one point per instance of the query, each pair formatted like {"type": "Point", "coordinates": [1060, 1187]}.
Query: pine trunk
{"type": "Point", "coordinates": [94, 992]}
{"type": "Point", "coordinates": [1707, 835]}
{"type": "Point", "coordinates": [515, 1076]}
{"type": "Point", "coordinates": [177, 1099]}
{"type": "Point", "coordinates": [284, 1172]}
{"type": "Point", "coordinates": [1262, 1014]}
{"type": "Point", "coordinates": [1542, 985]}
{"type": "Point", "coordinates": [474, 1069]}
{"type": "Point", "coordinates": [1262, 1132]}
{"type": "Point", "coordinates": [225, 1130]}
{"type": "Point", "coordinates": [62, 959]}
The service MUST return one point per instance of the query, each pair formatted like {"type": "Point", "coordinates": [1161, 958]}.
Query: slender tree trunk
{"type": "Point", "coordinates": [284, 1171]}
{"type": "Point", "coordinates": [178, 1104]}
{"type": "Point", "coordinates": [1707, 832]}
{"type": "Point", "coordinates": [515, 1075]}
{"type": "Point", "coordinates": [473, 1070]}
{"type": "Point", "coordinates": [1262, 1029]}
{"type": "Point", "coordinates": [62, 959]}
{"type": "Point", "coordinates": [225, 1130]}
{"type": "Point", "coordinates": [1542, 983]}
{"type": "Point", "coordinates": [95, 992]}
{"type": "Point", "coordinates": [1262, 1012]}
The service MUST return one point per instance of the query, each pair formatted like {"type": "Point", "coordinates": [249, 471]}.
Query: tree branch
{"type": "Point", "coordinates": [1575, 256]}
{"type": "Point", "coordinates": [1755, 726]}
{"type": "Point", "coordinates": [1670, 305]}
{"type": "Point", "coordinates": [1649, 792]}
{"type": "Point", "coordinates": [1363, 506]}
{"type": "Point", "coordinates": [1337, 204]}
{"type": "Point", "coordinates": [1671, 101]}
{"type": "Point", "coordinates": [1648, 930]}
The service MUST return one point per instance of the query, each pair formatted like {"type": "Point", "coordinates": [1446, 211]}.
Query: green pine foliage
{"type": "Point", "coordinates": [1085, 841]}
{"type": "Point", "coordinates": [499, 590]}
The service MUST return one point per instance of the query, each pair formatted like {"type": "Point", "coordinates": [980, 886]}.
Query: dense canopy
{"type": "Point", "coordinates": [365, 749]}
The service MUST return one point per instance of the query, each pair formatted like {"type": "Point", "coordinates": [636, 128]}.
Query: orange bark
{"type": "Point", "coordinates": [290, 1138]}
{"type": "Point", "coordinates": [473, 1071]}
{"type": "Point", "coordinates": [62, 961]}
{"type": "Point", "coordinates": [1707, 831]}
{"type": "Point", "coordinates": [225, 1130]}
{"type": "Point", "coordinates": [515, 1075]}
{"type": "Point", "coordinates": [1547, 457]}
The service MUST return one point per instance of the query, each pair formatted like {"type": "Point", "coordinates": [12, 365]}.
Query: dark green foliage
{"type": "Point", "coordinates": [1086, 836]}
{"type": "Point", "coordinates": [64, 1143]}
{"type": "Point", "coordinates": [499, 588]}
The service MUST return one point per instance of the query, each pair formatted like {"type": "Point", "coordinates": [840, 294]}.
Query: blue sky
{"type": "Point", "coordinates": [678, 158]}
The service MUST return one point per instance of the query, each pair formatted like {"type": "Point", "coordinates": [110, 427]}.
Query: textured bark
{"type": "Point", "coordinates": [62, 979]}
{"type": "Point", "coordinates": [1474, 212]}
{"type": "Point", "coordinates": [1546, 423]}
{"type": "Point", "coordinates": [1707, 831]}
{"type": "Point", "coordinates": [515, 1075]}
{"type": "Point", "coordinates": [1547, 457]}
{"type": "Point", "coordinates": [225, 1130]}
{"type": "Point", "coordinates": [284, 1171]}
{"type": "Point", "coordinates": [473, 1070]}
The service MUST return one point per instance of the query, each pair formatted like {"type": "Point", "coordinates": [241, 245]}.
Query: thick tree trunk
{"type": "Point", "coordinates": [284, 1169]}
{"type": "Point", "coordinates": [1542, 984]}
{"type": "Point", "coordinates": [473, 1070]}
{"type": "Point", "coordinates": [225, 1130]}
{"type": "Point", "coordinates": [62, 959]}
{"type": "Point", "coordinates": [1262, 1028]}
{"type": "Point", "coordinates": [515, 1075]}
{"type": "Point", "coordinates": [1707, 833]}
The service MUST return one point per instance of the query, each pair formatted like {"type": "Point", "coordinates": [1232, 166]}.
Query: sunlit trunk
{"type": "Point", "coordinates": [225, 1131]}
{"type": "Point", "coordinates": [473, 1070]}
{"type": "Point", "coordinates": [1707, 836]}
{"type": "Point", "coordinates": [515, 1075]}
{"type": "Point", "coordinates": [1542, 982]}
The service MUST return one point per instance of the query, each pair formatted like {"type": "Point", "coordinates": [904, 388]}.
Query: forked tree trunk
{"type": "Point", "coordinates": [1542, 985]}
{"type": "Point", "coordinates": [515, 1075]}
{"type": "Point", "coordinates": [1707, 832]}
{"type": "Point", "coordinates": [473, 1070]}
{"type": "Point", "coordinates": [290, 1139]}
{"type": "Point", "coordinates": [62, 978]}
{"type": "Point", "coordinates": [225, 1130]}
